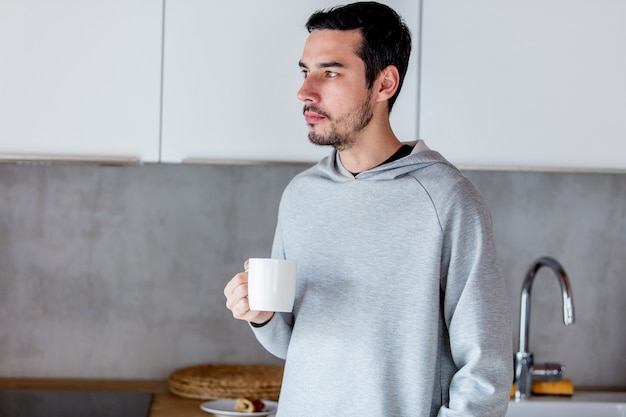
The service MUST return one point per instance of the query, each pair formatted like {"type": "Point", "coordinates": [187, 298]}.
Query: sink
{"type": "Point", "coordinates": [566, 409]}
{"type": "Point", "coordinates": [588, 404]}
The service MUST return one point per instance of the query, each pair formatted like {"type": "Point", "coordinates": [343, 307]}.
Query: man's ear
{"type": "Point", "coordinates": [389, 82]}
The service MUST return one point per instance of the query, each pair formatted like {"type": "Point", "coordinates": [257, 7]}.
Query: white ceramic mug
{"type": "Point", "coordinates": [271, 284]}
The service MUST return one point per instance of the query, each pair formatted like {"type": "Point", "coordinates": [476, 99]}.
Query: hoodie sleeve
{"type": "Point", "coordinates": [276, 334]}
{"type": "Point", "coordinates": [476, 308]}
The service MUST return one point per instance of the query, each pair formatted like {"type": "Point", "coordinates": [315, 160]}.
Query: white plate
{"type": "Point", "coordinates": [222, 408]}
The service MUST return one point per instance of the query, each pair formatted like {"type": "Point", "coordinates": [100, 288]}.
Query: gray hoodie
{"type": "Point", "coordinates": [400, 307]}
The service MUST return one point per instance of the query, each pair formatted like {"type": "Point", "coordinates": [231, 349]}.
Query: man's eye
{"type": "Point", "coordinates": [305, 73]}
{"type": "Point", "coordinates": [331, 74]}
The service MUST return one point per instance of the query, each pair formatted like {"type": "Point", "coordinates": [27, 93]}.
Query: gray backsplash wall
{"type": "Point", "coordinates": [118, 272]}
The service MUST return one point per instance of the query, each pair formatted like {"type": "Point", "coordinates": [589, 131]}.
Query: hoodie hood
{"type": "Point", "coordinates": [421, 157]}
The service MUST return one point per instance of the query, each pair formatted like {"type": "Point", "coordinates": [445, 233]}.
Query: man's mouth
{"type": "Point", "coordinates": [313, 115]}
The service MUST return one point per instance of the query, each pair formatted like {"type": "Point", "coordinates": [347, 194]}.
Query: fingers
{"type": "Point", "coordinates": [237, 286]}
{"type": "Point", "coordinates": [236, 293]}
{"type": "Point", "coordinates": [241, 309]}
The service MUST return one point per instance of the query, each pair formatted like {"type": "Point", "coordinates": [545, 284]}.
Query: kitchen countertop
{"type": "Point", "coordinates": [164, 404]}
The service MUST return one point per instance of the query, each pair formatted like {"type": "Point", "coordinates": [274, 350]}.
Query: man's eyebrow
{"type": "Point", "coordinates": [331, 64]}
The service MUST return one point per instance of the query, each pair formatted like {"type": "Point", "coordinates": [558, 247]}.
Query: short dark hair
{"type": "Point", "coordinates": [386, 38]}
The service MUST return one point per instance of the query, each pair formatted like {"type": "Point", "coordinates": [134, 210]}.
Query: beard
{"type": "Point", "coordinates": [342, 131]}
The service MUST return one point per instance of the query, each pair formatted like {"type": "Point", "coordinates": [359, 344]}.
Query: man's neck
{"type": "Point", "coordinates": [371, 149]}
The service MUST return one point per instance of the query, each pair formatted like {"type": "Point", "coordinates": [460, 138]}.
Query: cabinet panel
{"type": "Point", "coordinates": [80, 77]}
{"type": "Point", "coordinates": [534, 83]}
{"type": "Point", "coordinates": [231, 75]}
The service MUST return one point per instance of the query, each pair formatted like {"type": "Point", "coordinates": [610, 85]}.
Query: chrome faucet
{"type": "Point", "coordinates": [525, 369]}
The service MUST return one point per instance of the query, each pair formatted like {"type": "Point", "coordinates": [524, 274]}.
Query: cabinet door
{"type": "Point", "coordinates": [231, 75]}
{"type": "Point", "coordinates": [80, 78]}
{"type": "Point", "coordinates": [532, 83]}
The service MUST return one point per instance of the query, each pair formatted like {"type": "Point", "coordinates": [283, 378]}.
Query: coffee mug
{"type": "Point", "coordinates": [271, 284]}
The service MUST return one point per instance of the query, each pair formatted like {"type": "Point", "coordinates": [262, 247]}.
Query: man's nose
{"type": "Point", "coordinates": [308, 91]}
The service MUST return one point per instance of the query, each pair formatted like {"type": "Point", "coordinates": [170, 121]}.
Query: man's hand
{"type": "Point", "coordinates": [236, 292]}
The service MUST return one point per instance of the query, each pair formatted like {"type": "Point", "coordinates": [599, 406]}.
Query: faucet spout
{"type": "Point", "coordinates": [566, 293]}
{"type": "Point", "coordinates": [524, 369]}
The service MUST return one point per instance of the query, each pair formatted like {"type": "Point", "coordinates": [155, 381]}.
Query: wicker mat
{"type": "Point", "coordinates": [223, 381]}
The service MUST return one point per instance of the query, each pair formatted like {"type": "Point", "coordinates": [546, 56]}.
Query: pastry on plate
{"type": "Point", "coordinates": [248, 405]}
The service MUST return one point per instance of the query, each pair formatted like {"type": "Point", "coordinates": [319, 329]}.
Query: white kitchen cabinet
{"type": "Point", "coordinates": [231, 75]}
{"type": "Point", "coordinates": [80, 78]}
{"type": "Point", "coordinates": [525, 83]}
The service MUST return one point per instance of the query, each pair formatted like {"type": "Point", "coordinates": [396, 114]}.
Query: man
{"type": "Point", "coordinates": [400, 307]}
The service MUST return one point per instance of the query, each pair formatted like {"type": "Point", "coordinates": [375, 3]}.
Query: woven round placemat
{"type": "Point", "coordinates": [223, 381]}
